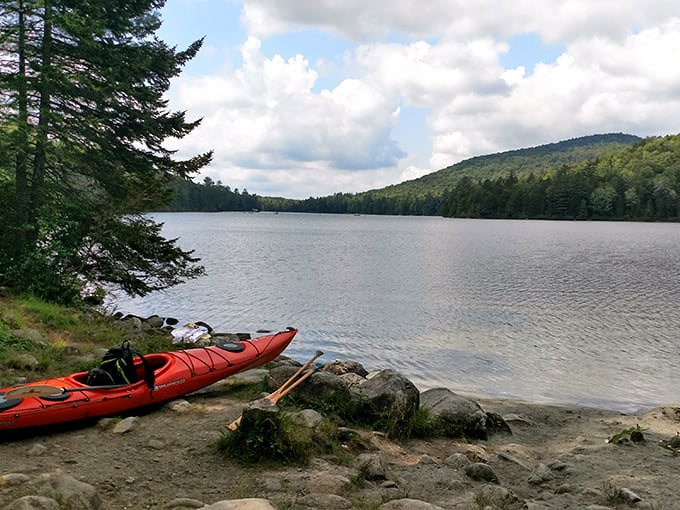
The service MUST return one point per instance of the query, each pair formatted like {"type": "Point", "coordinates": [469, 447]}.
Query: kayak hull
{"type": "Point", "coordinates": [176, 374]}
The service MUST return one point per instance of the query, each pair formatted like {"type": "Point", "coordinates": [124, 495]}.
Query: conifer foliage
{"type": "Point", "coordinates": [83, 122]}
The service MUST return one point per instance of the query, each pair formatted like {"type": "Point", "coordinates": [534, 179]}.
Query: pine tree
{"type": "Point", "coordinates": [84, 120]}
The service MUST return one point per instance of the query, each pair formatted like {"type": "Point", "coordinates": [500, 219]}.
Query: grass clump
{"type": "Point", "coordinates": [272, 438]}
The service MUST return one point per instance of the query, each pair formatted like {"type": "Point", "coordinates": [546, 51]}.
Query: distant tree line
{"type": "Point", "coordinates": [211, 196]}
{"type": "Point", "coordinates": [640, 182]}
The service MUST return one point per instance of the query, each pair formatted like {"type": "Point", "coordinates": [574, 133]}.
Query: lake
{"type": "Point", "coordinates": [581, 313]}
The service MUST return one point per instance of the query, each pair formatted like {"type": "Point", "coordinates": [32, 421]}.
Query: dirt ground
{"type": "Point", "coordinates": [171, 454]}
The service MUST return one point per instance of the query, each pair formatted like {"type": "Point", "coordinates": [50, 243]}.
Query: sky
{"type": "Point", "coordinates": [302, 98]}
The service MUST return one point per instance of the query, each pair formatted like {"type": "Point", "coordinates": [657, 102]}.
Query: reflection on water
{"type": "Point", "coordinates": [565, 312]}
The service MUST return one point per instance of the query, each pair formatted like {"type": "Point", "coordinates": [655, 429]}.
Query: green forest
{"type": "Point", "coordinates": [607, 177]}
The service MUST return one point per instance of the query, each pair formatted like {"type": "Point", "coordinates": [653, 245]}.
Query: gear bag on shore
{"type": "Point", "coordinates": [118, 368]}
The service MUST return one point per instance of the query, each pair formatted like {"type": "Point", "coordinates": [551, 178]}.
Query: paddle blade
{"type": "Point", "coordinates": [37, 390]}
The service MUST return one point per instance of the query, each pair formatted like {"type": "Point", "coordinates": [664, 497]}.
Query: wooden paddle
{"type": "Point", "coordinates": [45, 390]}
{"type": "Point", "coordinates": [286, 387]}
{"type": "Point", "coordinates": [304, 367]}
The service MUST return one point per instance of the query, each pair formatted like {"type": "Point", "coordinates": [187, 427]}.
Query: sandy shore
{"type": "Point", "coordinates": [556, 458]}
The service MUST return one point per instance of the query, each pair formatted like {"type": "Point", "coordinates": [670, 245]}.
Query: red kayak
{"type": "Point", "coordinates": [176, 373]}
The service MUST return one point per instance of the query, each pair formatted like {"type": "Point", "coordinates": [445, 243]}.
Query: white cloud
{"type": "Point", "coordinates": [270, 127]}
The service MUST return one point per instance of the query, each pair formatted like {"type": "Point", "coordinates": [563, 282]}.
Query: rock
{"type": "Point", "coordinates": [481, 472]}
{"type": "Point", "coordinates": [457, 461]}
{"type": "Point", "coordinates": [387, 394]}
{"type": "Point", "coordinates": [126, 425]}
{"type": "Point", "coordinates": [72, 493]}
{"type": "Point", "coordinates": [154, 321]}
{"type": "Point", "coordinates": [425, 459]}
{"type": "Point", "coordinates": [33, 503]}
{"type": "Point", "coordinates": [370, 466]}
{"type": "Point", "coordinates": [500, 497]}
{"type": "Point", "coordinates": [630, 497]}
{"type": "Point", "coordinates": [540, 474]}
{"type": "Point", "coordinates": [346, 367]}
{"type": "Point", "coordinates": [455, 415]}
{"type": "Point", "coordinates": [307, 418]}
{"type": "Point", "coordinates": [37, 450]}
{"type": "Point", "coordinates": [30, 334]}
{"type": "Point", "coordinates": [257, 411]}
{"type": "Point", "coordinates": [351, 380]}
{"type": "Point", "coordinates": [179, 405]}
{"type": "Point", "coordinates": [516, 418]}
{"type": "Point", "coordinates": [26, 361]}
{"type": "Point", "coordinates": [320, 387]}
{"type": "Point", "coordinates": [325, 501]}
{"type": "Point", "coordinates": [252, 376]}
{"type": "Point", "coordinates": [495, 424]}
{"type": "Point", "coordinates": [241, 504]}
{"type": "Point", "coordinates": [13, 479]}
{"type": "Point", "coordinates": [155, 444]}
{"type": "Point", "coordinates": [408, 504]}
{"type": "Point", "coordinates": [183, 503]}
{"type": "Point", "coordinates": [326, 483]}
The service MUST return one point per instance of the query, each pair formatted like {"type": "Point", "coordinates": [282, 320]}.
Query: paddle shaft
{"type": "Point", "coordinates": [286, 387]}
{"type": "Point", "coordinates": [278, 395]}
{"type": "Point", "coordinates": [304, 367]}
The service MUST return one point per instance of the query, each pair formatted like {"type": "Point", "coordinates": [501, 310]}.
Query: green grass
{"type": "Point", "coordinates": [66, 337]}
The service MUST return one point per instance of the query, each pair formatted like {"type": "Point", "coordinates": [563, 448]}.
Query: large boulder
{"type": "Point", "coordinates": [319, 387]}
{"type": "Point", "coordinates": [387, 394]}
{"type": "Point", "coordinates": [458, 416]}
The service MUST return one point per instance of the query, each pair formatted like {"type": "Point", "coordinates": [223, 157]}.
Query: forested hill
{"type": "Point", "coordinates": [520, 161]}
{"type": "Point", "coordinates": [613, 176]}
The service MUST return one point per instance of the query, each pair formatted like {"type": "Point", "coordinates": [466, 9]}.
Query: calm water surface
{"type": "Point", "coordinates": [560, 312]}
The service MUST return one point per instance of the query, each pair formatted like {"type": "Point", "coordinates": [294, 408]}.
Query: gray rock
{"type": "Point", "coordinates": [241, 504]}
{"type": "Point", "coordinates": [154, 321]}
{"type": "Point", "coordinates": [13, 479]}
{"type": "Point", "coordinates": [179, 405]}
{"type": "Point", "coordinates": [30, 334]}
{"type": "Point", "coordinates": [500, 497]}
{"type": "Point", "coordinates": [346, 367]}
{"type": "Point", "coordinates": [388, 394]}
{"type": "Point", "coordinates": [408, 504]}
{"type": "Point", "coordinates": [351, 380]}
{"type": "Point", "coordinates": [74, 494]}
{"type": "Point", "coordinates": [253, 376]}
{"type": "Point", "coordinates": [321, 386]}
{"type": "Point", "coordinates": [425, 459]}
{"type": "Point", "coordinates": [370, 466]}
{"type": "Point", "coordinates": [156, 444]}
{"type": "Point", "coordinates": [454, 414]}
{"type": "Point", "coordinates": [26, 361]}
{"type": "Point", "coordinates": [457, 461]}
{"type": "Point", "coordinates": [481, 472]}
{"type": "Point", "coordinates": [325, 501]}
{"type": "Point", "coordinates": [33, 503]}
{"type": "Point", "coordinates": [327, 483]}
{"type": "Point", "coordinates": [541, 473]}
{"type": "Point", "coordinates": [37, 450]}
{"type": "Point", "coordinates": [307, 418]}
{"type": "Point", "coordinates": [183, 503]}
{"type": "Point", "coordinates": [126, 425]}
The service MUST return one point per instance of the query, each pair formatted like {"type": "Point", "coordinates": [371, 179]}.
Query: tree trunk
{"type": "Point", "coordinates": [22, 149]}
{"type": "Point", "coordinates": [41, 143]}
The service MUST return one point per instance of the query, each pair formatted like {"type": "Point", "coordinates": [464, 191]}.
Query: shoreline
{"type": "Point", "coordinates": [556, 457]}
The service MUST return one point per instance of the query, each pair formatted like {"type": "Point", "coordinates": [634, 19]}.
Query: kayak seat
{"type": "Point", "coordinates": [57, 397]}
{"type": "Point", "coordinates": [231, 346]}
